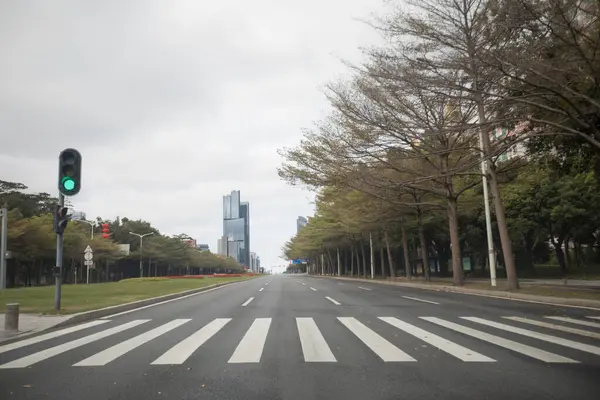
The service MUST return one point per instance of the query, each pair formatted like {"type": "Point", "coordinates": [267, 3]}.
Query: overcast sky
{"type": "Point", "coordinates": [172, 103]}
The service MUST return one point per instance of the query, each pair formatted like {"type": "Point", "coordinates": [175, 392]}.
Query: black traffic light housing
{"type": "Point", "coordinates": [69, 172]}
{"type": "Point", "coordinates": [61, 219]}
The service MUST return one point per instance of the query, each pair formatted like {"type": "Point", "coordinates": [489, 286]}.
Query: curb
{"type": "Point", "coordinates": [103, 312]}
{"type": "Point", "coordinates": [557, 301]}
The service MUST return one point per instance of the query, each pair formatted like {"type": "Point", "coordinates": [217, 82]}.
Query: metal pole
{"type": "Point", "coordinates": [3, 249]}
{"type": "Point", "coordinates": [59, 260]}
{"type": "Point", "coordinates": [372, 256]}
{"type": "Point", "coordinates": [488, 215]}
{"type": "Point", "coordinates": [141, 256]}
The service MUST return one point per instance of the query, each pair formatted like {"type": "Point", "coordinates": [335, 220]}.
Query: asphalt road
{"type": "Point", "coordinates": [299, 337]}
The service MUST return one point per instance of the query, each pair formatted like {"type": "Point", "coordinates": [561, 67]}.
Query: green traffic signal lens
{"type": "Point", "coordinates": [68, 183]}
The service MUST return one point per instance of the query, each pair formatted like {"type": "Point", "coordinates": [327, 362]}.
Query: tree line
{"type": "Point", "coordinates": [32, 246]}
{"type": "Point", "coordinates": [465, 98]}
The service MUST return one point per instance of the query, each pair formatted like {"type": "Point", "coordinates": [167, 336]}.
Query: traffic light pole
{"type": "Point", "coordinates": [59, 261]}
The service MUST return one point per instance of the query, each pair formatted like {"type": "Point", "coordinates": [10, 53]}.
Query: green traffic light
{"type": "Point", "coordinates": [68, 183]}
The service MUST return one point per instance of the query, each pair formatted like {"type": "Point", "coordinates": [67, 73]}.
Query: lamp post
{"type": "Point", "coordinates": [141, 249]}
{"type": "Point", "coordinates": [91, 223]}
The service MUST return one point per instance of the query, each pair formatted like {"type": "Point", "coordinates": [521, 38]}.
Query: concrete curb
{"type": "Point", "coordinates": [103, 312]}
{"type": "Point", "coordinates": [558, 301]}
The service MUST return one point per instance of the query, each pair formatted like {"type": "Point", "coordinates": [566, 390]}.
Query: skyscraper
{"type": "Point", "coordinates": [300, 222]}
{"type": "Point", "coordinates": [236, 228]}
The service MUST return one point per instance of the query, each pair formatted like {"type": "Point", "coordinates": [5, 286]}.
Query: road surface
{"type": "Point", "coordinates": [300, 337]}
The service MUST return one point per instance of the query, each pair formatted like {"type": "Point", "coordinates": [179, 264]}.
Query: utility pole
{"type": "Point", "coordinates": [488, 214]}
{"type": "Point", "coordinates": [141, 249]}
{"type": "Point", "coordinates": [372, 256]}
{"type": "Point", "coordinates": [3, 249]}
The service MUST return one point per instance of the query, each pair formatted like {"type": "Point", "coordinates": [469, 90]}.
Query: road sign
{"type": "Point", "coordinates": [88, 249]}
{"type": "Point", "coordinates": [88, 256]}
{"type": "Point", "coordinates": [88, 262]}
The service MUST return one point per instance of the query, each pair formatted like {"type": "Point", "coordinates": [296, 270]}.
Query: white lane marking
{"type": "Point", "coordinates": [561, 328]}
{"type": "Point", "coordinates": [594, 317]}
{"type": "Point", "coordinates": [261, 289]}
{"type": "Point", "coordinates": [314, 346]}
{"type": "Point", "coordinates": [313, 289]}
{"type": "Point", "coordinates": [61, 348]}
{"type": "Point", "coordinates": [363, 288]}
{"type": "Point", "coordinates": [458, 351]}
{"type": "Point", "coordinates": [51, 335]}
{"type": "Point", "coordinates": [266, 284]}
{"type": "Point", "coordinates": [541, 336]}
{"type": "Point", "coordinates": [184, 349]}
{"type": "Point", "coordinates": [524, 349]}
{"type": "Point", "coordinates": [247, 301]}
{"type": "Point", "coordinates": [576, 321]}
{"type": "Point", "coordinates": [166, 301]}
{"type": "Point", "coordinates": [250, 348]}
{"type": "Point", "coordinates": [337, 303]}
{"type": "Point", "coordinates": [424, 301]}
{"type": "Point", "coordinates": [120, 349]}
{"type": "Point", "coordinates": [340, 283]}
{"type": "Point", "coordinates": [303, 283]}
{"type": "Point", "coordinates": [380, 346]}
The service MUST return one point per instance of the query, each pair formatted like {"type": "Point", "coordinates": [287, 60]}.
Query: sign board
{"type": "Point", "coordinates": [88, 256]}
{"type": "Point", "coordinates": [88, 262]}
{"type": "Point", "coordinates": [88, 249]}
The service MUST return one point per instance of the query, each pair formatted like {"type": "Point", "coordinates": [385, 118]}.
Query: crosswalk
{"type": "Point", "coordinates": [386, 337]}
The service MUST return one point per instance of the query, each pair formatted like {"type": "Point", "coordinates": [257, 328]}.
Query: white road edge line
{"type": "Point", "coordinates": [166, 301]}
{"type": "Point", "coordinates": [424, 301]}
{"type": "Point", "coordinates": [503, 298]}
{"type": "Point", "coordinates": [363, 288]}
{"type": "Point", "coordinates": [313, 289]}
{"type": "Point", "coordinates": [247, 301]}
{"type": "Point", "coordinates": [337, 303]}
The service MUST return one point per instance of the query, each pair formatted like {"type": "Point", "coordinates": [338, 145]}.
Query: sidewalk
{"type": "Point", "coordinates": [30, 324]}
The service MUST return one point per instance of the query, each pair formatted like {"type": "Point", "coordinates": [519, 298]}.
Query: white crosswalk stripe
{"type": "Point", "coordinates": [458, 351]}
{"type": "Point", "coordinates": [184, 349]}
{"type": "Point", "coordinates": [576, 321]}
{"type": "Point", "coordinates": [594, 317]}
{"type": "Point", "coordinates": [48, 336]}
{"type": "Point", "coordinates": [497, 340]}
{"type": "Point", "coordinates": [251, 346]}
{"type": "Point", "coordinates": [61, 348]}
{"type": "Point", "coordinates": [315, 344]}
{"type": "Point", "coordinates": [380, 346]}
{"type": "Point", "coordinates": [561, 328]}
{"type": "Point", "coordinates": [541, 336]}
{"type": "Point", "coordinates": [116, 351]}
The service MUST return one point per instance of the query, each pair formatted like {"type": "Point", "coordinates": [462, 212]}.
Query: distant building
{"type": "Point", "coordinates": [518, 149]}
{"type": "Point", "coordinates": [300, 223]}
{"type": "Point", "coordinates": [190, 242]}
{"type": "Point", "coordinates": [253, 258]}
{"type": "Point", "coordinates": [236, 228]}
{"type": "Point", "coordinates": [203, 247]}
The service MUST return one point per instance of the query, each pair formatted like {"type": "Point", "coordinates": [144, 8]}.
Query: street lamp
{"type": "Point", "coordinates": [92, 224]}
{"type": "Point", "coordinates": [141, 249]}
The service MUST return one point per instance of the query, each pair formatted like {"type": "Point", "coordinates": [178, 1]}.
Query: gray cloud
{"type": "Point", "coordinates": [172, 104]}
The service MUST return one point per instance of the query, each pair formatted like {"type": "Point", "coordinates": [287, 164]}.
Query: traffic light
{"type": "Point", "coordinates": [105, 231]}
{"type": "Point", "coordinates": [69, 172]}
{"type": "Point", "coordinates": [60, 219]}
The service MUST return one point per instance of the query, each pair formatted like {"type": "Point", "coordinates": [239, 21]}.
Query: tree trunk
{"type": "Point", "coordinates": [352, 261]}
{"type": "Point", "coordinates": [424, 247]}
{"type": "Point", "coordinates": [389, 255]}
{"type": "Point", "coordinates": [457, 270]}
{"type": "Point", "coordinates": [382, 261]}
{"type": "Point", "coordinates": [560, 254]}
{"type": "Point", "coordinates": [372, 253]}
{"type": "Point", "coordinates": [364, 259]}
{"type": "Point", "coordinates": [407, 268]}
{"type": "Point", "coordinates": [339, 266]}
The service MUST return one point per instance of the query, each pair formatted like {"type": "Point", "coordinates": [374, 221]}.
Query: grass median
{"type": "Point", "coordinates": [78, 298]}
